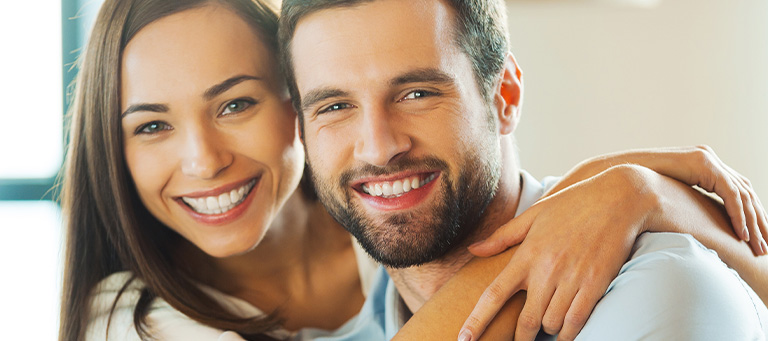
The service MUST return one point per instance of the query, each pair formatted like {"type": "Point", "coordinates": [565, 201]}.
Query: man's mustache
{"type": "Point", "coordinates": [422, 164]}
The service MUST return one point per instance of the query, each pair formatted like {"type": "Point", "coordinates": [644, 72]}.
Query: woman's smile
{"type": "Point", "coordinates": [220, 206]}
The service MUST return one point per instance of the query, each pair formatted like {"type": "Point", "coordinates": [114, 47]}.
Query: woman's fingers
{"type": "Point", "coordinates": [552, 322]}
{"type": "Point", "coordinates": [717, 178]}
{"type": "Point", "coordinates": [509, 234]}
{"type": "Point", "coordinates": [735, 206]}
{"type": "Point", "coordinates": [580, 310]}
{"type": "Point", "coordinates": [536, 302]}
{"type": "Point", "coordinates": [506, 284]}
{"type": "Point", "coordinates": [755, 213]}
{"type": "Point", "coordinates": [763, 222]}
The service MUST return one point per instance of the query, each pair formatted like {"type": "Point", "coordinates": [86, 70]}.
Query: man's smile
{"type": "Point", "coordinates": [400, 192]}
{"type": "Point", "coordinates": [394, 188]}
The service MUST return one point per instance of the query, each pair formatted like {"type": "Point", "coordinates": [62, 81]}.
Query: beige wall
{"type": "Point", "coordinates": [601, 78]}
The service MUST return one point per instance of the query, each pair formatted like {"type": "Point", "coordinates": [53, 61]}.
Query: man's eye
{"type": "Point", "coordinates": [152, 128]}
{"type": "Point", "coordinates": [335, 107]}
{"type": "Point", "coordinates": [237, 106]}
{"type": "Point", "coordinates": [416, 94]}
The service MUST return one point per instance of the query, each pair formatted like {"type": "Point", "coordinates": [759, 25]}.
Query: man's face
{"type": "Point", "coordinates": [403, 148]}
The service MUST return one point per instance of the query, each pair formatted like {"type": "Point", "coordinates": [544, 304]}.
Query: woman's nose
{"type": "Point", "coordinates": [205, 154]}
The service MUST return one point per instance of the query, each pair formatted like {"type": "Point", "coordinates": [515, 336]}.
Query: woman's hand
{"type": "Point", "coordinates": [573, 245]}
{"type": "Point", "coordinates": [694, 166]}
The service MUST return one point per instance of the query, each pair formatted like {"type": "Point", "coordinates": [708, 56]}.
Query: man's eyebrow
{"type": "Point", "coordinates": [318, 95]}
{"type": "Point", "coordinates": [220, 88]}
{"type": "Point", "coordinates": [427, 75]}
{"type": "Point", "coordinates": [144, 107]}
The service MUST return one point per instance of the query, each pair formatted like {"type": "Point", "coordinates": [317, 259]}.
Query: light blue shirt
{"type": "Point", "coordinates": [672, 288]}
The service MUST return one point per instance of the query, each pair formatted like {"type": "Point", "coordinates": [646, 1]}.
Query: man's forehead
{"type": "Point", "coordinates": [378, 40]}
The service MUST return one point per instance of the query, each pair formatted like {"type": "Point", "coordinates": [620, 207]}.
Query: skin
{"type": "Point", "coordinates": [379, 120]}
{"type": "Point", "coordinates": [203, 146]}
{"type": "Point", "coordinates": [370, 125]}
{"type": "Point", "coordinates": [281, 250]}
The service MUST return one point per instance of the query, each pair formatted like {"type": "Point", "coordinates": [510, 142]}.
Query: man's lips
{"type": "Point", "coordinates": [399, 192]}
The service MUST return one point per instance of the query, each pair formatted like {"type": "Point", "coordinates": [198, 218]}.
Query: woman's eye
{"type": "Point", "coordinates": [335, 107]}
{"type": "Point", "coordinates": [237, 106]}
{"type": "Point", "coordinates": [152, 127]}
{"type": "Point", "coordinates": [416, 94]}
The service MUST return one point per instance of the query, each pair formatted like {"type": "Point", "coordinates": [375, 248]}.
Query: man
{"type": "Point", "coordinates": [407, 109]}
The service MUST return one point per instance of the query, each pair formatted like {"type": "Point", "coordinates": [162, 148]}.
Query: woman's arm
{"type": "Point", "coordinates": [440, 315]}
{"type": "Point", "coordinates": [695, 166]}
{"type": "Point", "coordinates": [526, 267]}
{"type": "Point", "coordinates": [669, 206]}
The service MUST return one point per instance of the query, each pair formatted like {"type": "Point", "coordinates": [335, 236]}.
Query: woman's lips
{"type": "Point", "coordinates": [205, 211]}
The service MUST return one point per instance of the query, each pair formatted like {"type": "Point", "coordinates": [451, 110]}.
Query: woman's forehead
{"type": "Point", "coordinates": [192, 50]}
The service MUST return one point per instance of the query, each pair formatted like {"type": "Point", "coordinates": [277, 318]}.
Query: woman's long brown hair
{"type": "Point", "coordinates": [108, 229]}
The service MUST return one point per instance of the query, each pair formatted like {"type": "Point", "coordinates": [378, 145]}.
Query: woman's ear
{"type": "Point", "coordinates": [509, 95]}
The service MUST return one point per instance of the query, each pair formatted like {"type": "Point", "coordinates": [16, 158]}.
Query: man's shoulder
{"type": "Point", "coordinates": [371, 322]}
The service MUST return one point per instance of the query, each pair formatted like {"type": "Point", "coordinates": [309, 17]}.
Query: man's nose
{"type": "Point", "coordinates": [380, 141]}
{"type": "Point", "coordinates": [205, 154]}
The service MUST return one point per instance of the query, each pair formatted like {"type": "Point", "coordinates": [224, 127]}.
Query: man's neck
{"type": "Point", "coordinates": [417, 284]}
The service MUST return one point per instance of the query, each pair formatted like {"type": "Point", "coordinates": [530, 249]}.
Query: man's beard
{"type": "Point", "coordinates": [418, 237]}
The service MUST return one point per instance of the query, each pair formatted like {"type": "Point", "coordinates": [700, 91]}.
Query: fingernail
{"type": "Point", "coordinates": [745, 234]}
{"type": "Point", "coordinates": [763, 247]}
{"type": "Point", "coordinates": [465, 335]}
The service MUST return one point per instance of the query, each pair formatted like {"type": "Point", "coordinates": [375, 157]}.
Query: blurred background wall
{"type": "Point", "coordinates": [602, 77]}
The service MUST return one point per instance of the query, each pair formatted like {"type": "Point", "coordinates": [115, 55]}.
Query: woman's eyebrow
{"type": "Point", "coordinates": [226, 85]}
{"type": "Point", "coordinates": [209, 94]}
{"type": "Point", "coordinates": [144, 107]}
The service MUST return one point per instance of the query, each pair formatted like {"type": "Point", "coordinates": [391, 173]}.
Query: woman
{"type": "Point", "coordinates": [180, 188]}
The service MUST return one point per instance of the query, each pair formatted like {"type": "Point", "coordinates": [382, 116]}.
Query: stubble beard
{"type": "Point", "coordinates": [403, 240]}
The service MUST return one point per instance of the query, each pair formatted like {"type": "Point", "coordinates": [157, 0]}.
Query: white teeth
{"type": "Point", "coordinates": [396, 188]}
{"type": "Point", "coordinates": [224, 200]}
{"type": "Point", "coordinates": [212, 202]}
{"type": "Point", "coordinates": [234, 196]}
{"type": "Point", "coordinates": [221, 203]}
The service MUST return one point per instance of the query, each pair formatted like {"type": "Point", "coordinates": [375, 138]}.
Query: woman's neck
{"type": "Point", "coordinates": [303, 255]}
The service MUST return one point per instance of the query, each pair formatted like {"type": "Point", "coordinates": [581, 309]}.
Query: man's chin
{"type": "Point", "coordinates": [402, 242]}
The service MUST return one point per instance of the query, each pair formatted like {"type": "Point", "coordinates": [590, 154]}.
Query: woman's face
{"type": "Point", "coordinates": [210, 138]}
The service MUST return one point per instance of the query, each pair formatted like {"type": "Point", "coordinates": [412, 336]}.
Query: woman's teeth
{"type": "Point", "coordinates": [394, 189]}
{"type": "Point", "coordinates": [221, 203]}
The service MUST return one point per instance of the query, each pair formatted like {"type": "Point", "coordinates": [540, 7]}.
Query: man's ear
{"type": "Point", "coordinates": [508, 95]}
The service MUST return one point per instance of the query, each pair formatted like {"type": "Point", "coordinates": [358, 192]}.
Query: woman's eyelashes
{"type": "Point", "coordinates": [152, 128]}
{"type": "Point", "coordinates": [238, 105]}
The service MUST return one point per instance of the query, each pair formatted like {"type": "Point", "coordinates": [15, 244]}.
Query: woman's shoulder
{"type": "Point", "coordinates": [163, 321]}
{"type": "Point", "coordinates": [120, 320]}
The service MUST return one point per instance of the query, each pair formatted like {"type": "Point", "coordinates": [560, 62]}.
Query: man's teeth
{"type": "Point", "coordinates": [221, 203]}
{"type": "Point", "coordinates": [393, 189]}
